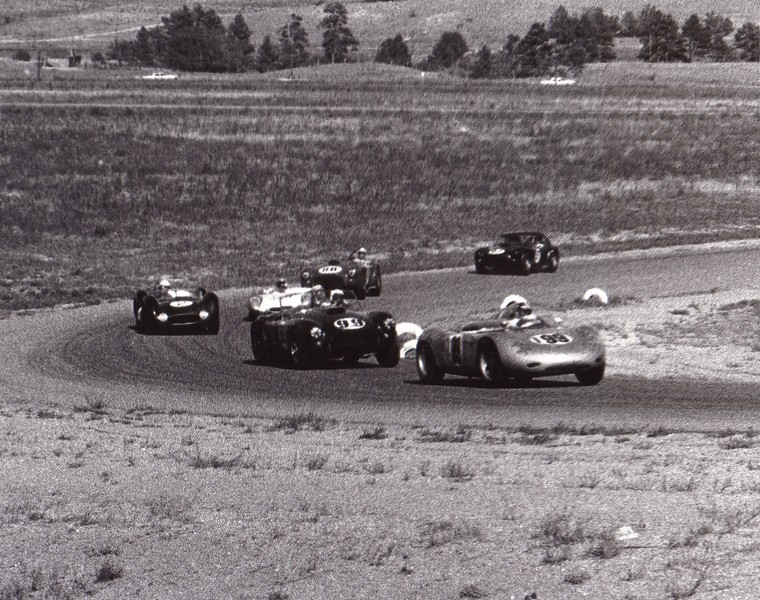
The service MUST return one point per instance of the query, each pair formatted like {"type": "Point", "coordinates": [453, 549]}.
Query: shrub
{"type": "Point", "coordinates": [22, 55]}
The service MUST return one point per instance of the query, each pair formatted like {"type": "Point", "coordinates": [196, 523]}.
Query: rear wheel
{"type": "Point", "coordinates": [590, 376]}
{"type": "Point", "coordinates": [145, 317]}
{"type": "Point", "coordinates": [427, 369]}
{"type": "Point", "coordinates": [489, 364]}
{"type": "Point", "coordinates": [213, 324]}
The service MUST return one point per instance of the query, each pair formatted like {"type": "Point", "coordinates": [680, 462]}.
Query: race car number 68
{"type": "Point", "coordinates": [551, 338]}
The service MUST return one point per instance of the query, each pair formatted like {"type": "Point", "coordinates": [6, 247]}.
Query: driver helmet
{"type": "Point", "coordinates": [361, 253]}
{"type": "Point", "coordinates": [164, 285]}
{"type": "Point", "coordinates": [337, 296]}
{"type": "Point", "coordinates": [281, 285]}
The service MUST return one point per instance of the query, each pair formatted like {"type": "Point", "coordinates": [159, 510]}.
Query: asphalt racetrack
{"type": "Point", "coordinates": [81, 356]}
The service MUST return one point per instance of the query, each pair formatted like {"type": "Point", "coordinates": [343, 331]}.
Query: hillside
{"type": "Point", "coordinates": [94, 23]}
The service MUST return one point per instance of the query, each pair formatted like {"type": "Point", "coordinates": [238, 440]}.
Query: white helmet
{"type": "Point", "coordinates": [164, 283]}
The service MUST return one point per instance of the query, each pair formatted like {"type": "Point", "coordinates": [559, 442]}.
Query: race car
{"type": "Point", "coordinates": [523, 253]}
{"type": "Point", "coordinates": [517, 345]}
{"type": "Point", "coordinates": [168, 310]}
{"type": "Point", "coordinates": [268, 301]}
{"type": "Point", "coordinates": [310, 336]}
{"type": "Point", "coordinates": [360, 276]}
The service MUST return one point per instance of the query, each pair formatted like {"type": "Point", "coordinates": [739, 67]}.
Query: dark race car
{"type": "Point", "coordinates": [520, 346]}
{"type": "Point", "coordinates": [522, 253]}
{"type": "Point", "coordinates": [166, 311]}
{"type": "Point", "coordinates": [362, 277]}
{"type": "Point", "coordinates": [309, 337]}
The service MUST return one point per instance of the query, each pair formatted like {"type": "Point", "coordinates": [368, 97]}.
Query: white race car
{"type": "Point", "coordinates": [267, 301]}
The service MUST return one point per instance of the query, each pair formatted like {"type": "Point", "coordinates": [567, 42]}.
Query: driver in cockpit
{"type": "Point", "coordinates": [517, 315]}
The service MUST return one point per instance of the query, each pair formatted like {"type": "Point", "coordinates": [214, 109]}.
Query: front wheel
{"type": "Point", "coordinates": [378, 287]}
{"type": "Point", "coordinates": [427, 369]}
{"type": "Point", "coordinates": [489, 364]}
{"type": "Point", "coordinates": [590, 376]}
{"type": "Point", "coordinates": [526, 265]}
{"type": "Point", "coordinates": [552, 262]}
{"type": "Point", "coordinates": [259, 345]}
{"type": "Point", "coordinates": [388, 356]}
{"type": "Point", "coordinates": [299, 353]}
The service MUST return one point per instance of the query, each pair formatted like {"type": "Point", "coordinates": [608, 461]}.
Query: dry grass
{"type": "Point", "coordinates": [231, 181]}
{"type": "Point", "coordinates": [330, 508]}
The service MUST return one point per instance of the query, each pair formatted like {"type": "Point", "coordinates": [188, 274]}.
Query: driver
{"type": "Point", "coordinates": [360, 255]}
{"type": "Point", "coordinates": [517, 315]}
{"type": "Point", "coordinates": [164, 287]}
{"type": "Point", "coordinates": [337, 298]}
{"type": "Point", "coordinates": [281, 286]}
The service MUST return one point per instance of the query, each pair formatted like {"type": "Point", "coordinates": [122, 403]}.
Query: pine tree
{"type": "Point", "coordinates": [294, 42]}
{"type": "Point", "coordinates": [337, 40]}
{"type": "Point", "coordinates": [747, 42]}
{"type": "Point", "coordinates": [267, 57]}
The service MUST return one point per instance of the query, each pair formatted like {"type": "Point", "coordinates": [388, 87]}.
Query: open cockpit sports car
{"type": "Point", "coordinates": [309, 336]}
{"type": "Point", "coordinates": [268, 301]}
{"type": "Point", "coordinates": [517, 345]}
{"type": "Point", "coordinates": [523, 253]}
{"type": "Point", "coordinates": [168, 310]}
{"type": "Point", "coordinates": [360, 276]}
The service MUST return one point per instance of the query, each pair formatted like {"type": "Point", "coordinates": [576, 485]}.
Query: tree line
{"type": "Point", "coordinates": [197, 40]}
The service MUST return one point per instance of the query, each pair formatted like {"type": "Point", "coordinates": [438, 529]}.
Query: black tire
{"type": "Point", "coordinates": [427, 369]}
{"type": "Point", "coordinates": [480, 268]}
{"type": "Point", "coordinates": [526, 265]}
{"type": "Point", "coordinates": [351, 358]}
{"type": "Point", "coordinates": [298, 352]}
{"type": "Point", "coordinates": [213, 324]}
{"type": "Point", "coordinates": [259, 345]}
{"type": "Point", "coordinates": [378, 287]}
{"type": "Point", "coordinates": [489, 364]}
{"type": "Point", "coordinates": [145, 318]}
{"type": "Point", "coordinates": [590, 376]}
{"type": "Point", "coordinates": [552, 262]}
{"type": "Point", "coordinates": [137, 302]}
{"type": "Point", "coordinates": [388, 356]}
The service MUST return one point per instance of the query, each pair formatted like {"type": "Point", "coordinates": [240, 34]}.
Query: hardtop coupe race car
{"type": "Point", "coordinates": [362, 277]}
{"type": "Point", "coordinates": [518, 345]}
{"type": "Point", "coordinates": [168, 310]}
{"type": "Point", "coordinates": [310, 335]}
{"type": "Point", "coordinates": [523, 252]}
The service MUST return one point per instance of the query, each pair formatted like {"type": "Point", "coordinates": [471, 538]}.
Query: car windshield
{"type": "Point", "coordinates": [517, 238]}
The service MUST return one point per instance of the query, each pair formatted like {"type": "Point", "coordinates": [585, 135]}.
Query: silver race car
{"type": "Point", "coordinates": [517, 345]}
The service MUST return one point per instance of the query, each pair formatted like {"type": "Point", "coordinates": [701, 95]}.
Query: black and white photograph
{"type": "Point", "coordinates": [379, 299]}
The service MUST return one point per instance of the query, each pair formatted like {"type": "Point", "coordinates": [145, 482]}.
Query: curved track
{"type": "Point", "coordinates": [92, 354]}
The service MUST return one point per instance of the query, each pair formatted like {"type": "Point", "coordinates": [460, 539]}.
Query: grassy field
{"type": "Point", "coordinates": [109, 180]}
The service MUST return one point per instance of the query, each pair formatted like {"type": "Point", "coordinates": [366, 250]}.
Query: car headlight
{"type": "Point", "coordinates": [305, 275]}
{"type": "Point", "coordinates": [255, 302]}
{"type": "Point", "coordinates": [317, 333]}
{"type": "Point", "coordinates": [351, 272]}
{"type": "Point", "coordinates": [203, 315]}
{"type": "Point", "coordinates": [163, 317]}
{"type": "Point", "coordinates": [389, 323]}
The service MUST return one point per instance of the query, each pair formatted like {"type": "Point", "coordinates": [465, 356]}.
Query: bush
{"type": "Point", "coordinates": [23, 55]}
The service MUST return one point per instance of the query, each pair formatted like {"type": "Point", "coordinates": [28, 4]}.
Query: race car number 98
{"type": "Point", "coordinates": [551, 338]}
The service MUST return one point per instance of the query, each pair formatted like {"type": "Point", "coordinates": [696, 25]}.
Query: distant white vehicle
{"type": "Point", "coordinates": [160, 75]}
{"type": "Point", "coordinates": [557, 81]}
